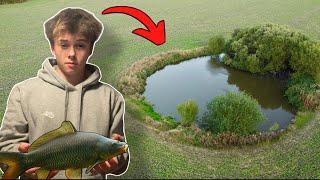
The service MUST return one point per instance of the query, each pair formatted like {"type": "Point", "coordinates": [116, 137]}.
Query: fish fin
{"type": "Point", "coordinates": [91, 167]}
{"type": "Point", "coordinates": [65, 128]}
{"type": "Point", "coordinates": [42, 173]}
{"type": "Point", "coordinates": [15, 163]}
{"type": "Point", "coordinates": [74, 173]}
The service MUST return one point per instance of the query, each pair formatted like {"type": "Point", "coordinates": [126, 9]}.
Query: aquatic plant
{"type": "Point", "coordinates": [274, 127]}
{"type": "Point", "coordinates": [188, 111]}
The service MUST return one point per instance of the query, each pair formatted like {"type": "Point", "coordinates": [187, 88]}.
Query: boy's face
{"type": "Point", "coordinates": [71, 52]}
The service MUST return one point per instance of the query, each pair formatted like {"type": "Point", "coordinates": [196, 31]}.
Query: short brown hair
{"type": "Point", "coordinates": [73, 21]}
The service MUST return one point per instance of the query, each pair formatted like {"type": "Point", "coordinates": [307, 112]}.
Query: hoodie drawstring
{"type": "Point", "coordinates": [81, 106]}
{"type": "Point", "coordinates": [66, 102]}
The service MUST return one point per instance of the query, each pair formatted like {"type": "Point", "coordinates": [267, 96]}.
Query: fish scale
{"type": "Point", "coordinates": [65, 151]}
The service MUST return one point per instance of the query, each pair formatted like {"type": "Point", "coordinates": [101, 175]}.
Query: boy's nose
{"type": "Point", "coordinates": [72, 53]}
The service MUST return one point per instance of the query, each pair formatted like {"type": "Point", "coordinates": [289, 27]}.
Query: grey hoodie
{"type": "Point", "coordinates": [40, 104]}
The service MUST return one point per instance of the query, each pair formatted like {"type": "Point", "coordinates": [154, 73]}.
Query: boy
{"type": "Point", "coordinates": [66, 88]}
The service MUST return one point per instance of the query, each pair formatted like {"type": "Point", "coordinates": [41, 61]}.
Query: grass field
{"type": "Point", "coordinates": [189, 24]}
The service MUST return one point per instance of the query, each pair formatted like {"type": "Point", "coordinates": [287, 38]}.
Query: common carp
{"type": "Point", "coordinates": [62, 149]}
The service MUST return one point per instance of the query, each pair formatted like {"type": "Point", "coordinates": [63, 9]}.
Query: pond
{"type": "Point", "coordinates": [201, 79]}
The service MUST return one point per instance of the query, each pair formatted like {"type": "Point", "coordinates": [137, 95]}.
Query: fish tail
{"type": "Point", "coordinates": [15, 163]}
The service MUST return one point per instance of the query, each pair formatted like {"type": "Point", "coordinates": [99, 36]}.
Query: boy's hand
{"type": "Point", "coordinates": [109, 165]}
{"type": "Point", "coordinates": [23, 148]}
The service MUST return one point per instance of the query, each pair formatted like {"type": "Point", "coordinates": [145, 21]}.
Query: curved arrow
{"type": "Point", "coordinates": [154, 33]}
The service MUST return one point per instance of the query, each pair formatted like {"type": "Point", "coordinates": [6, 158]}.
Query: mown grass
{"type": "Point", "coordinates": [189, 24]}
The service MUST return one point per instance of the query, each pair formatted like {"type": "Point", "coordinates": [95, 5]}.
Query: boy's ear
{"type": "Point", "coordinates": [52, 49]}
{"type": "Point", "coordinates": [91, 49]}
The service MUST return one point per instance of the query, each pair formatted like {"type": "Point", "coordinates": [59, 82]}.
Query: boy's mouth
{"type": "Point", "coordinates": [71, 63]}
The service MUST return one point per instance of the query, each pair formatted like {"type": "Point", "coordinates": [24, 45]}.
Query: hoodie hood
{"type": "Point", "coordinates": [50, 75]}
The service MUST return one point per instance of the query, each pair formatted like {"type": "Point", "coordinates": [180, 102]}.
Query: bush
{"type": "Point", "coordinates": [302, 92]}
{"type": "Point", "coordinates": [188, 112]}
{"type": "Point", "coordinates": [216, 44]}
{"type": "Point", "coordinates": [261, 49]}
{"type": "Point", "coordinates": [306, 59]}
{"type": "Point", "coordinates": [227, 60]}
{"type": "Point", "coordinates": [234, 112]}
{"type": "Point", "coordinates": [253, 64]}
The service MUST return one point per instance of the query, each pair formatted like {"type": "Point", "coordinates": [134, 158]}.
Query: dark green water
{"type": "Point", "coordinates": [201, 79]}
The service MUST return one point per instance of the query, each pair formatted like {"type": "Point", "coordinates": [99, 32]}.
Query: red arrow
{"type": "Point", "coordinates": [154, 33]}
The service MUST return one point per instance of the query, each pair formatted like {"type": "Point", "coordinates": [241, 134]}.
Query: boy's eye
{"type": "Point", "coordinates": [80, 46]}
{"type": "Point", "coordinates": [63, 45]}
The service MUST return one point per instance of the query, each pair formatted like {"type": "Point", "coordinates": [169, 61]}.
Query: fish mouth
{"type": "Point", "coordinates": [124, 149]}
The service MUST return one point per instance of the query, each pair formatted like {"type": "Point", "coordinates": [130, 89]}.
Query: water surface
{"type": "Point", "coordinates": [201, 79]}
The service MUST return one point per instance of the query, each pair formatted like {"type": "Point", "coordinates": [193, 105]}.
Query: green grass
{"type": "Point", "coordinates": [142, 108]}
{"type": "Point", "coordinates": [189, 24]}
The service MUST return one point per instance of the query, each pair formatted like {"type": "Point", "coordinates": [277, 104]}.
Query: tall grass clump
{"type": "Point", "coordinates": [216, 44]}
{"type": "Point", "coordinates": [234, 112]}
{"type": "Point", "coordinates": [303, 118]}
{"type": "Point", "coordinates": [303, 92]}
{"type": "Point", "coordinates": [188, 111]}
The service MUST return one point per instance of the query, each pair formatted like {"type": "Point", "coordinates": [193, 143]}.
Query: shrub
{"type": "Point", "coordinates": [188, 111]}
{"type": "Point", "coordinates": [234, 112]}
{"type": "Point", "coordinates": [265, 48]}
{"type": "Point", "coordinates": [253, 64]}
{"type": "Point", "coordinates": [306, 59]}
{"type": "Point", "coordinates": [227, 60]}
{"type": "Point", "coordinates": [302, 92]}
{"type": "Point", "coordinates": [216, 44]}
{"type": "Point", "coordinates": [303, 118]}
